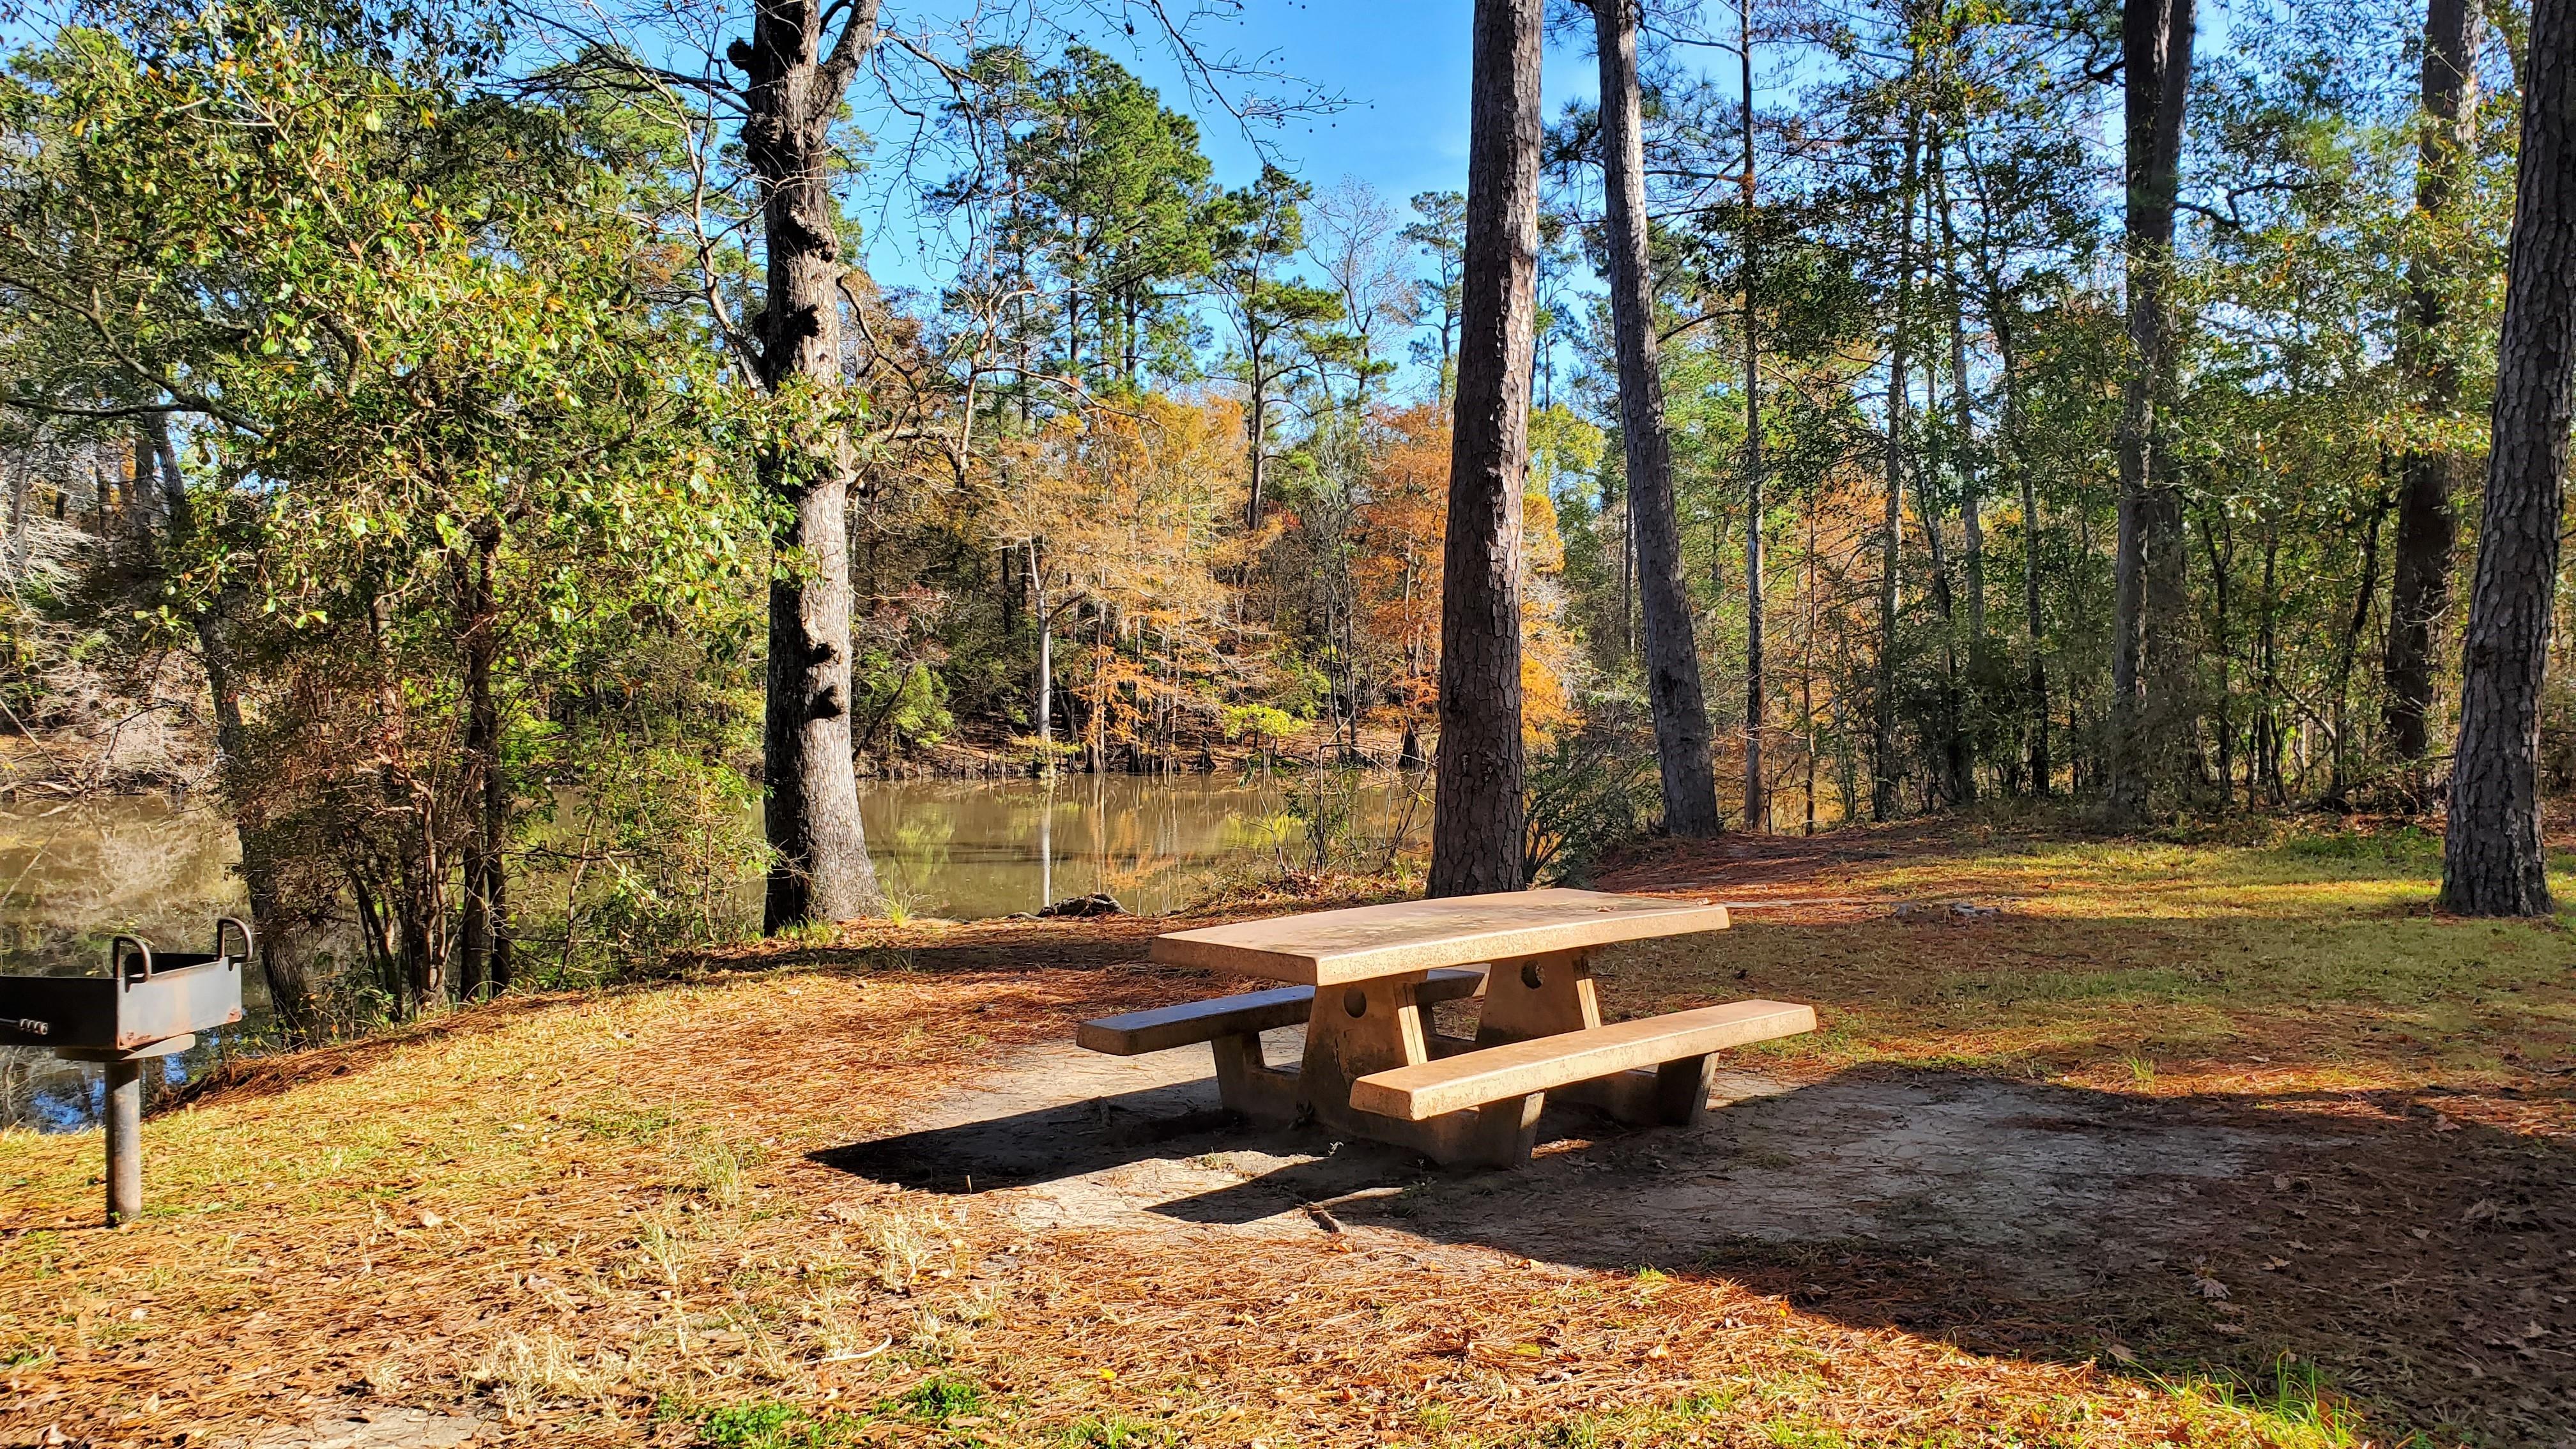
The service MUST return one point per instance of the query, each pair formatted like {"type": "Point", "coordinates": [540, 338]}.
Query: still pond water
{"type": "Point", "coordinates": [73, 874]}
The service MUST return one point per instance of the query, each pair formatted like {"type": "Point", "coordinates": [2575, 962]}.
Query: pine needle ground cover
{"type": "Point", "coordinates": [643, 1216]}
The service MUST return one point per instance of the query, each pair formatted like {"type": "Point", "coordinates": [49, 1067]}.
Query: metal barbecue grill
{"type": "Point", "coordinates": [150, 1004]}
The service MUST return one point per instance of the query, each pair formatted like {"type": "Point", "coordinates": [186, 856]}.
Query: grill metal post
{"type": "Point", "coordinates": [124, 1141]}
{"type": "Point", "coordinates": [149, 1004]}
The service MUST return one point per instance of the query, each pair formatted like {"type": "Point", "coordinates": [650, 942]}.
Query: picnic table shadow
{"type": "Point", "coordinates": [2421, 1263]}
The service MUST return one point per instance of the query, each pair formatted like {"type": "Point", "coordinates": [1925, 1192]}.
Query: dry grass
{"type": "Point", "coordinates": [594, 1219]}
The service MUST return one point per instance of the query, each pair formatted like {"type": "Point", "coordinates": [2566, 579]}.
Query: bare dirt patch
{"type": "Point", "coordinates": [2054, 1186]}
{"type": "Point", "coordinates": [2426, 1267]}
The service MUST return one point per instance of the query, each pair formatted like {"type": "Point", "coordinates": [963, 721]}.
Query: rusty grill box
{"type": "Point", "coordinates": [144, 998]}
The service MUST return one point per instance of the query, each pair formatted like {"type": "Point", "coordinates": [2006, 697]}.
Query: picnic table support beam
{"type": "Point", "coordinates": [1375, 1025]}
{"type": "Point", "coordinates": [1538, 996]}
{"type": "Point", "coordinates": [1247, 1084]}
{"type": "Point", "coordinates": [1681, 1090]}
{"type": "Point", "coordinates": [1553, 994]}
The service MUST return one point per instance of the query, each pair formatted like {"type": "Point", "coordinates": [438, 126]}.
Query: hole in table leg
{"type": "Point", "coordinates": [1355, 1001]}
{"type": "Point", "coordinates": [1531, 976]}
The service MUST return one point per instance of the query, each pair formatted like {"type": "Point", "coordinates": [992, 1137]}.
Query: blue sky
{"type": "Point", "coordinates": [1403, 66]}
{"type": "Point", "coordinates": [1400, 64]}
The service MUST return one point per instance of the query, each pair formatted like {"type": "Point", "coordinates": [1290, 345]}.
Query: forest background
{"type": "Point", "coordinates": [451, 428]}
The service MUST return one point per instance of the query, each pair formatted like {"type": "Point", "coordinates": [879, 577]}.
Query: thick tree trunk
{"type": "Point", "coordinates": [1477, 814]}
{"type": "Point", "coordinates": [1672, 650]}
{"type": "Point", "coordinates": [1883, 777]}
{"type": "Point", "coordinates": [2156, 41]}
{"type": "Point", "coordinates": [483, 945]}
{"type": "Point", "coordinates": [819, 869]}
{"type": "Point", "coordinates": [2492, 860]}
{"type": "Point", "coordinates": [2429, 474]}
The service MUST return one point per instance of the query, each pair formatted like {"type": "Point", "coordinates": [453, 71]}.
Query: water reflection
{"type": "Point", "coordinates": [74, 874]}
{"type": "Point", "coordinates": [972, 849]}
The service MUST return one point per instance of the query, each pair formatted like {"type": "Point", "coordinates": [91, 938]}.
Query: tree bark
{"type": "Point", "coordinates": [2339, 783]}
{"type": "Point", "coordinates": [1477, 817]}
{"type": "Point", "coordinates": [1883, 778]}
{"type": "Point", "coordinates": [2034, 617]}
{"type": "Point", "coordinates": [1964, 420]}
{"type": "Point", "coordinates": [2156, 42]}
{"type": "Point", "coordinates": [1257, 423]}
{"type": "Point", "coordinates": [819, 869]}
{"type": "Point", "coordinates": [1673, 690]}
{"type": "Point", "coordinates": [2492, 860]}
{"type": "Point", "coordinates": [2429, 474]}
{"type": "Point", "coordinates": [2222, 563]}
{"type": "Point", "coordinates": [1757, 698]}
{"type": "Point", "coordinates": [483, 945]}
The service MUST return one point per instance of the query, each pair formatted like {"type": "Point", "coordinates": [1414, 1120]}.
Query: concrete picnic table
{"type": "Point", "coordinates": [1375, 1066]}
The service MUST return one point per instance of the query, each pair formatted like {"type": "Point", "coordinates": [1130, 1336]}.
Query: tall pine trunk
{"type": "Point", "coordinates": [1757, 698]}
{"type": "Point", "coordinates": [2429, 474]}
{"type": "Point", "coordinates": [2034, 617]}
{"type": "Point", "coordinates": [1257, 425]}
{"type": "Point", "coordinates": [1964, 421]}
{"type": "Point", "coordinates": [2156, 41]}
{"type": "Point", "coordinates": [1477, 814]}
{"type": "Point", "coordinates": [2492, 860]}
{"type": "Point", "coordinates": [819, 869]}
{"type": "Point", "coordinates": [1883, 774]}
{"type": "Point", "coordinates": [1672, 650]}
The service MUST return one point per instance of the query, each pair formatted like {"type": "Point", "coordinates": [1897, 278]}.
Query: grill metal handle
{"type": "Point", "coordinates": [240, 927]}
{"type": "Point", "coordinates": [30, 1026]}
{"type": "Point", "coordinates": [117, 955]}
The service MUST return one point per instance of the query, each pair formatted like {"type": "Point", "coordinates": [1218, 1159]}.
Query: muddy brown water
{"type": "Point", "coordinates": [74, 873]}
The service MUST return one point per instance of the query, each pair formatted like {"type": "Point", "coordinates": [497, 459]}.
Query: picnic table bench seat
{"type": "Point", "coordinates": [1667, 1060]}
{"type": "Point", "coordinates": [1250, 1013]}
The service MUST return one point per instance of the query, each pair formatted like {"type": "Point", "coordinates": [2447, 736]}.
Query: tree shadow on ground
{"type": "Point", "coordinates": [2422, 1265]}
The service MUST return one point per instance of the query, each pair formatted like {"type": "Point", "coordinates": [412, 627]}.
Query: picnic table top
{"type": "Point", "coordinates": [1330, 948]}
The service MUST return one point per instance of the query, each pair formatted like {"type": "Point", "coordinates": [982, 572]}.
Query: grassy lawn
{"type": "Point", "coordinates": [598, 1218]}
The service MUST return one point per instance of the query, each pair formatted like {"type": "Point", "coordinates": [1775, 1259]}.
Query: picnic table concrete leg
{"type": "Point", "coordinates": [1551, 994]}
{"type": "Point", "coordinates": [1538, 996]}
{"type": "Point", "coordinates": [1375, 1026]}
{"type": "Point", "coordinates": [1371, 1026]}
{"type": "Point", "coordinates": [1681, 1090]}
{"type": "Point", "coordinates": [1247, 1083]}
{"type": "Point", "coordinates": [1504, 1135]}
